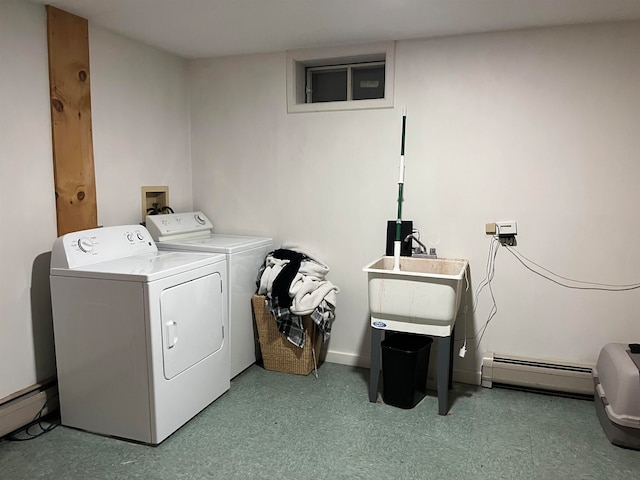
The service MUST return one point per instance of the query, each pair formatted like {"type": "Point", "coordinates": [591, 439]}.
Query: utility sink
{"type": "Point", "coordinates": [422, 297]}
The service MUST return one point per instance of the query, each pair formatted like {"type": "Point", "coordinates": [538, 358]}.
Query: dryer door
{"type": "Point", "coordinates": [192, 328]}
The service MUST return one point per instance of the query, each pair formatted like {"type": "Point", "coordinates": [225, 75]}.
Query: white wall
{"type": "Point", "coordinates": [140, 114]}
{"type": "Point", "coordinates": [140, 131]}
{"type": "Point", "coordinates": [27, 196]}
{"type": "Point", "coordinates": [537, 126]}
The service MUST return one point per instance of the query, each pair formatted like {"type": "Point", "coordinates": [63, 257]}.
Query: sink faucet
{"type": "Point", "coordinates": [422, 248]}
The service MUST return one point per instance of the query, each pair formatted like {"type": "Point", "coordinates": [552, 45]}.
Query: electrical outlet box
{"type": "Point", "coordinates": [154, 198]}
{"type": "Point", "coordinates": [490, 228]}
{"type": "Point", "coordinates": [506, 229]}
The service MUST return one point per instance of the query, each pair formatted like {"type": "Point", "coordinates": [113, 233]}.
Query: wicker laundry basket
{"type": "Point", "coordinates": [278, 353]}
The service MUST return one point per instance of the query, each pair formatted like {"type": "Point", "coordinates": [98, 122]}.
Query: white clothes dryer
{"type": "Point", "coordinates": [193, 231]}
{"type": "Point", "coordinates": [140, 335]}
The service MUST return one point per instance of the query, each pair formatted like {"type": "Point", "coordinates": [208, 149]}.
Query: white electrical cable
{"type": "Point", "coordinates": [490, 272]}
{"type": "Point", "coordinates": [489, 269]}
{"type": "Point", "coordinates": [614, 287]}
{"type": "Point", "coordinates": [463, 349]}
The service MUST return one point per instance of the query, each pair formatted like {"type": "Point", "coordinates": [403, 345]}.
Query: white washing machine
{"type": "Point", "coordinates": [140, 335]}
{"type": "Point", "coordinates": [194, 232]}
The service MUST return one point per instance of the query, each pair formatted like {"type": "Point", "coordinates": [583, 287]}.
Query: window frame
{"type": "Point", "coordinates": [298, 61]}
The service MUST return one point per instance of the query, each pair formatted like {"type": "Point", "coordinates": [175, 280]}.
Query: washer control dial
{"type": "Point", "coordinates": [85, 245]}
{"type": "Point", "coordinates": [199, 219]}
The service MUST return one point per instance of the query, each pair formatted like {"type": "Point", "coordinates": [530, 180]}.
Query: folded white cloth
{"type": "Point", "coordinates": [309, 293]}
{"type": "Point", "coordinates": [313, 268]}
{"type": "Point", "coordinates": [309, 270]}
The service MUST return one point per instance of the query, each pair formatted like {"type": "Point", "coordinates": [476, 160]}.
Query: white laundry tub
{"type": "Point", "coordinates": [422, 297]}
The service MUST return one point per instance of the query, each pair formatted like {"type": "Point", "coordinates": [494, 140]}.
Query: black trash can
{"type": "Point", "coordinates": [405, 361]}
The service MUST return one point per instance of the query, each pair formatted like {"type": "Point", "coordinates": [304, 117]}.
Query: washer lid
{"type": "Point", "coordinates": [142, 268]}
{"type": "Point", "coordinates": [216, 243]}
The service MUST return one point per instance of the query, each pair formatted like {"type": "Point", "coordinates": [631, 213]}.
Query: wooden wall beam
{"type": "Point", "coordinates": [70, 91]}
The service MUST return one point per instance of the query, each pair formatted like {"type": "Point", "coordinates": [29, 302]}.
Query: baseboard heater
{"type": "Point", "coordinates": [508, 370]}
{"type": "Point", "coordinates": [23, 407]}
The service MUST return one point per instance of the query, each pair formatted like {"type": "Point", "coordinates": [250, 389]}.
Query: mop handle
{"type": "Point", "coordinates": [401, 177]}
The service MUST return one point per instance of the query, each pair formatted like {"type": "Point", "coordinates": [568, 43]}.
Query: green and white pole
{"type": "Point", "coordinates": [398, 242]}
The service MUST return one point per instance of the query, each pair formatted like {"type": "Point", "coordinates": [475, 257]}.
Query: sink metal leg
{"type": "Point", "coordinates": [451, 349]}
{"type": "Point", "coordinates": [374, 370]}
{"type": "Point", "coordinates": [443, 374]}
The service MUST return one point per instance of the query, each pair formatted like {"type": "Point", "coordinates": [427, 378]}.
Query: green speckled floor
{"type": "Point", "coordinates": [278, 426]}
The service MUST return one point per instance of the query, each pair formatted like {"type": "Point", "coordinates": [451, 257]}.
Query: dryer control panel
{"type": "Point", "coordinates": [178, 225]}
{"type": "Point", "coordinates": [87, 247]}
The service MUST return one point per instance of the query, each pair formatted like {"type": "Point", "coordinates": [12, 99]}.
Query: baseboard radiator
{"type": "Point", "coordinates": [508, 370]}
{"type": "Point", "coordinates": [23, 407]}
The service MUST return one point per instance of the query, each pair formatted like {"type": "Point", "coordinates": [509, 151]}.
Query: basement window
{"type": "Point", "coordinates": [345, 78]}
{"type": "Point", "coordinates": [342, 83]}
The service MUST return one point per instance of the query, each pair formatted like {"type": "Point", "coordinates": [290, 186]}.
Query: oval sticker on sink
{"type": "Point", "coordinates": [378, 324]}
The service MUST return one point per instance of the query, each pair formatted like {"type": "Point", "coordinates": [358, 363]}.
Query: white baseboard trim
{"type": "Point", "coordinates": [24, 409]}
{"type": "Point", "coordinates": [353, 360]}
{"type": "Point", "coordinates": [468, 377]}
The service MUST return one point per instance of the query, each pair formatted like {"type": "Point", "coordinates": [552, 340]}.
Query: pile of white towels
{"type": "Point", "coordinates": [295, 285]}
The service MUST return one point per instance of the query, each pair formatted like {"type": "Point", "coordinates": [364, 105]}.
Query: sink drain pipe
{"type": "Point", "coordinates": [398, 242]}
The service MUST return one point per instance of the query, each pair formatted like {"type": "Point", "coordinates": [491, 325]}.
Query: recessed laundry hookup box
{"type": "Point", "coordinates": [616, 378]}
